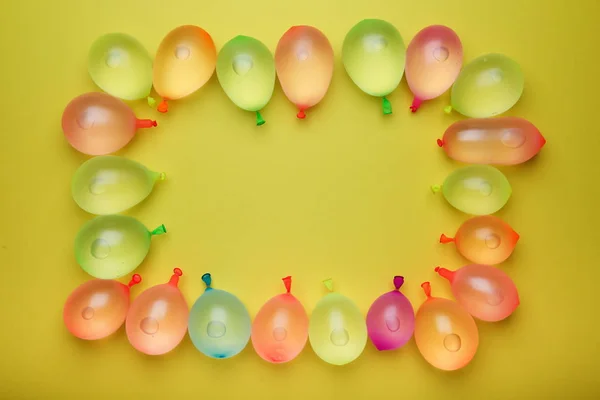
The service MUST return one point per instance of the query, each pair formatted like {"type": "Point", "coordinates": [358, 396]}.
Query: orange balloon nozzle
{"type": "Point", "coordinates": [542, 141]}
{"type": "Point", "coordinates": [415, 104]}
{"type": "Point", "coordinates": [398, 282]}
{"type": "Point", "coordinates": [445, 239]}
{"type": "Point", "coordinates": [301, 114]}
{"type": "Point", "coordinates": [445, 273]}
{"type": "Point", "coordinates": [440, 142]}
{"type": "Point", "coordinates": [175, 278]}
{"type": "Point", "coordinates": [515, 237]}
{"type": "Point", "coordinates": [287, 281]}
{"type": "Point", "coordinates": [427, 289]}
{"type": "Point", "coordinates": [135, 279]}
{"type": "Point", "coordinates": [163, 106]}
{"type": "Point", "coordinates": [145, 123]}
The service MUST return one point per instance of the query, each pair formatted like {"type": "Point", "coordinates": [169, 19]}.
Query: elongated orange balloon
{"type": "Point", "coordinates": [97, 308]}
{"type": "Point", "coordinates": [304, 65]}
{"type": "Point", "coordinates": [486, 292]}
{"type": "Point", "coordinates": [157, 320]}
{"type": "Point", "coordinates": [434, 58]}
{"type": "Point", "coordinates": [184, 62]}
{"type": "Point", "coordinates": [280, 329]}
{"type": "Point", "coordinates": [99, 124]}
{"type": "Point", "coordinates": [485, 239]}
{"type": "Point", "coordinates": [445, 332]}
{"type": "Point", "coordinates": [499, 141]}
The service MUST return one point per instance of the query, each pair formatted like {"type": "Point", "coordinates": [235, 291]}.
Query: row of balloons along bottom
{"type": "Point", "coordinates": [219, 324]}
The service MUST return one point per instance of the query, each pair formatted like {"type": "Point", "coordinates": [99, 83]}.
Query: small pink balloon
{"type": "Point", "coordinates": [157, 320]}
{"type": "Point", "coordinates": [99, 124]}
{"type": "Point", "coordinates": [433, 61]}
{"type": "Point", "coordinates": [391, 319]}
{"type": "Point", "coordinates": [97, 308]}
{"type": "Point", "coordinates": [486, 292]}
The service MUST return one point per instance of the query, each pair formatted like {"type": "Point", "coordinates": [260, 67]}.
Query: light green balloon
{"type": "Point", "coordinates": [489, 85]}
{"type": "Point", "coordinates": [111, 184]}
{"type": "Point", "coordinates": [121, 66]}
{"type": "Point", "coordinates": [246, 72]}
{"type": "Point", "coordinates": [476, 189]}
{"type": "Point", "coordinates": [111, 246]}
{"type": "Point", "coordinates": [374, 56]}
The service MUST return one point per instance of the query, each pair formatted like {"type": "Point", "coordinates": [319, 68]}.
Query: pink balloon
{"type": "Point", "coordinates": [99, 124]}
{"type": "Point", "coordinates": [433, 61]}
{"type": "Point", "coordinates": [391, 319]}
{"type": "Point", "coordinates": [486, 292]}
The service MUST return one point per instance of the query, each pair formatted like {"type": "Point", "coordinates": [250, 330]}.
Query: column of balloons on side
{"type": "Point", "coordinates": [111, 245]}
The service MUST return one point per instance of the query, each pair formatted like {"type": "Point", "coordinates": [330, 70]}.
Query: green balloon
{"type": "Point", "coordinates": [111, 184]}
{"type": "Point", "coordinates": [374, 55]}
{"type": "Point", "coordinates": [121, 66]}
{"type": "Point", "coordinates": [476, 189]}
{"type": "Point", "coordinates": [489, 85]}
{"type": "Point", "coordinates": [111, 246]}
{"type": "Point", "coordinates": [246, 72]}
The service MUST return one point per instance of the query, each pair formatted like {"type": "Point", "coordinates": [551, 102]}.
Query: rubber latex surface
{"type": "Point", "coordinates": [111, 184]}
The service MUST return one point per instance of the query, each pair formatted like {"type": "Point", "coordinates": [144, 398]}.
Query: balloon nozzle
{"type": "Point", "coordinates": [259, 119]}
{"type": "Point", "coordinates": [445, 273]}
{"type": "Point", "coordinates": [163, 106]}
{"type": "Point", "coordinates": [287, 281]}
{"type": "Point", "coordinates": [175, 277]}
{"type": "Point", "coordinates": [135, 279]}
{"type": "Point", "coordinates": [206, 278]}
{"type": "Point", "coordinates": [415, 104]}
{"type": "Point", "coordinates": [387, 106]}
{"type": "Point", "coordinates": [445, 239]}
{"type": "Point", "coordinates": [145, 123]}
{"type": "Point", "coordinates": [440, 142]}
{"type": "Point", "coordinates": [426, 288]}
{"type": "Point", "coordinates": [436, 188]}
{"type": "Point", "coordinates": [448, 109]}
{"type": "Point", "coordinates": [301, 114]}
{"type": "Point", "coordinates": [398, 282]}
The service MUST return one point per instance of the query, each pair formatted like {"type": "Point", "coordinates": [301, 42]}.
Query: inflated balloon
{"type": "Point", "coordinates": [391, 319]}
{"type": "Point", "coordinates": [337, 330]}
{"type": "Point", "coordinates": [445, 332]}
{"type": "Point", "coordinates": [246, 72]}
{"type": "Point", "coordinates": [121, 66]}
{"type": "Point", "coordinates": [484, 240]}
{"type": "Point", "coordinates": [98, 124]}
{"type": "Point", "coordinates": [433, 61]}
{"type": "Point", "coordinates": [489, 85]}
{"type": "Point", "coordinates": [304, 64]}
{"type": "Point", "coordinates": [97, 308]}
{"type": "Point", "coordinates": [374, 54]}
{"type": "Point", "coordinates": [486, 292]}
{"type": "Point", "coordinates": [476, 189]}
{"type": "Point", "coordinates": [500, 141]}
{"type": "Point", "coordinates": [219, 323]}
{"type": "Point", "coordinates": [157, 319]}
{"type": "Point", "coordinates": [111, 184]}
{"type": "Point", "coordinates": [184, 62]}
{"type": "Point", "coordinates": [111, 246]}
{"type": "Point", "coordinates": [280, 329]}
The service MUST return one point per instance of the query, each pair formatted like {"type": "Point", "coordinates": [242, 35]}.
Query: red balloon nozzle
{"type": "Point", "coordinates": [440, 142]}
{"type": "Point", "coordinates": [145, 123]}
{"type": "Point", "coordinates": [301, 114]}
{"type": "Point", "coordinates": [516, 237]}
{"type": "Point", "coordinates": [135, 279]}
{"type": "Point", "coordinates": [398, 282]}
{"type": "Point", "coordinates": [415, 104]}
{"type": "Point", "coordinates": [287, 281]}
{"type": "Point", "coordinates": [175, 278]}
{"type": "Point", "coordinates": [445, 273]}
{"type": "Point", "coordinates": [542, 141]}
{"type": "Point", "coordinates": [426, 288]}
{"type": "Point", "coordinates": [163, 107]}
{"type": "Point", "coordinates": [445, 239]}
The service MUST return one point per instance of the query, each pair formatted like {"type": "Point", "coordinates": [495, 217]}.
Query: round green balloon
{"type": "Point", "coordinates": [246, 72]}
{"type": "Point", "coordinates": [111, 184]}
{"type": "Point", "coordinates": [111, 246]}
{"type": "Point", "coordinates": [489, 85]}
{"type": "Point", "coordinates": [374, 55]}
{"type": "Point", "coordinates": [121, 66]}
{"type": "Point", "coordinates": [476, 189]}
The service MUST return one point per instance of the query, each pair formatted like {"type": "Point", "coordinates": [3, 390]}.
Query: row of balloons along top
{"type": "Point", "coordinates": [373, 54]}
{"type": "Point", "coordinates": [220, 326]}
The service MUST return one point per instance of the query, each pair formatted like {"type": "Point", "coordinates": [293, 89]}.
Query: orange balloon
{"type": "Point", "coordinates": [157, 320]}
{"type": "Point", "coordinates": [99, 124]}
{"type": "Point", "coordinates": [484, 291]}
{"type": "Point", "coordinates": [280, 329]}
{"type": "Point", "coordinates": [445, 333]}
{"type": "Point", "coordinates": [304, 64]}
{"type": "Point", "coordinates": [97, 308]}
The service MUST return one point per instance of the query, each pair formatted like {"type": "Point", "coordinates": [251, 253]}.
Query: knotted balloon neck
{"type": "Point", "coordinates": [163, 106]}
{"type": "Point", "coordinates": [328, 284]}
{"type": "Point", "coordinates": [159, 231]}
{"type": "Point", "coordinates": [415, 104]}
{"type": "Point", "coordinates": [301, 114]}
{"type": "Point", "coordinates": [151, 101]}
{"type": "Point", "coordinates": [135, 279]}
{"type": "Point", "coordinates": [398, 282]}
{"type": "Point", "coordinates": [287, 281]}
{"type": "Point", "coordinates": [387, 106]}
{"type": "Point", "coordinates": [448, 109]}
{"type": "Point", "coordinates": [207, 281]}
{"type": "Point", "coordinates": [145, 123]}
{"type": "Point", "coordinates": [445, 239]}
{"type": "Point", "coordinates": [259, 119]}
{"type": "Point", "coordinates": [436, 188]}
{"type": "Point", "coordinates": [445, 273]}
{"type": "Point", "coordinates": [174, 281]}
{"type": "Point", "coordinates": [440, 142]}
{"type": "Point", "coordinates": [427, 289]}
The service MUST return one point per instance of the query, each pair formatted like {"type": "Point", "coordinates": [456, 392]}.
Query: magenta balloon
{"type": "Point", "coordinates": [433, 61]}
{"type": "Point", "coordinates": [391, 319]}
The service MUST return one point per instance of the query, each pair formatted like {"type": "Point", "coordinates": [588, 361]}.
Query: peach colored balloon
{"type": "Point", "coordinates": [304, 64]}
{"type": "Point", "coordinates": [499, 141]}
{"type": "Point", "coordinates": [97, 308]}
{"type": "Point", "coordinates": [433, 61]}
{"type": "Point", "coordinates": [157, 320]}
{"type": "Point", "coordinates": [445, 332]}
{"type": "Point", "coordinates": [484, 239]}
{"type": "Point", "coordinates": [99, 124]}
{"type": "Point", "coordinates": [280, 329]}
{"type": "Point", "coordinates": [486, 292]}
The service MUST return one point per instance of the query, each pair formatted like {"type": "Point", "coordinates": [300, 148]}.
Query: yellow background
{"type": "Point", "coordinates": [343, 194]}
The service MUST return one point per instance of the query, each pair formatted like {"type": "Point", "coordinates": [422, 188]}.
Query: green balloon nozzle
{"type": "Point", "coordinates": [387, 106]}
{"type": "Point", "coordinates": [448, 109]}
{"type": "Point", "coordinates": [259, 119]}
{"type": "Point", "coordinates": [328, 284]}
{"type": "Point", "coordinates": [159, 231]}
{"type": "Point", "coordinates": [436, 188]}
{"type": "Point", "coordinates": [151, 101]}
{"type": "Point", "coordinates": [206, 278]}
